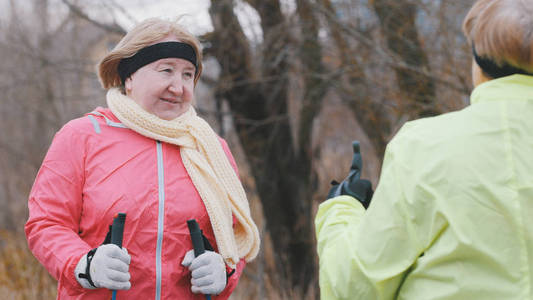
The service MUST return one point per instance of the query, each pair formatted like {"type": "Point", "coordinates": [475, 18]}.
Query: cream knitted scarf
{"type": "Point", "coordinates": [209, 169]}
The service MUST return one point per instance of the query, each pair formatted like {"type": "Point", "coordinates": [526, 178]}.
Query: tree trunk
{"type": "Point", "coordinates": [397, 18]}
{"type": "Point", "coordinates": [260, 111]}
{"type": "Point", "coordinates": [354, 88]}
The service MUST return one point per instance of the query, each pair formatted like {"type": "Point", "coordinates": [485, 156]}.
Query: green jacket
{"type": "Point", "coordinates": [452, 216]}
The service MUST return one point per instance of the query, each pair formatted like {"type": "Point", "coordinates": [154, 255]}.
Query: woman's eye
{"type": "Point", "coordinates": [167, 70]}
{"type": "Point", "coordinates": [188, 75]}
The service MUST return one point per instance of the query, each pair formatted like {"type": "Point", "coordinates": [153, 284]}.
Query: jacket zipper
{"type": "Point", "coordinates": [160, 219]}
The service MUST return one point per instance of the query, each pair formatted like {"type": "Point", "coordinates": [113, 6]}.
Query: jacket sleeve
{"type": "Point", "coordinates": [54, 205]}
{"type": "Point", "coordinates": [232, 280]}
{"type": "Point", "coordinates": [366, 255]}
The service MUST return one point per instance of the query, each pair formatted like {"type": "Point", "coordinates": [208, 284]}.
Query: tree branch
{"type": "Point", "coordinates": [114, 28]}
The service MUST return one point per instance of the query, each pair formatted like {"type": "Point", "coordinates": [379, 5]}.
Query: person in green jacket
{"type": "Point", "coordinates": [452, 216]}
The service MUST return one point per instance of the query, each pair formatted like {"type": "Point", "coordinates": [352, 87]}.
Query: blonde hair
{"type": "Point", "coordinates": [502, 30]}
{"type": "Point", "coordinates": [144, 34]}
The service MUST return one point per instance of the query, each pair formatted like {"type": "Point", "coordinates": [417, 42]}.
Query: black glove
{"type": "Point", "coordinates": [353, 185]}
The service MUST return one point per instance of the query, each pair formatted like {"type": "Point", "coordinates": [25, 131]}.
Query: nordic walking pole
{"type": "Point", "coordinates": [117, 233]}
{"type": "Point", "coordinates": [353, 185]}
{"type": "Point", "coordinates": [197, 241]}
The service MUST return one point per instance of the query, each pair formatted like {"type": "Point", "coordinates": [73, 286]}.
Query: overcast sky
{"type": "Point", "coordinates": [195, 15]}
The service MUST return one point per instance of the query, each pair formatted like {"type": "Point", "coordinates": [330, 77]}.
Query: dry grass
{"type": "Point", "coordinates": [21, 276]}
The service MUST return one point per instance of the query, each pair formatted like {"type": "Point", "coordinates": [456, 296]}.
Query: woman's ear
{"type": "Point", "coordinates": [127, 85]}
{"type": "Point", "coordinates": [478, 76]}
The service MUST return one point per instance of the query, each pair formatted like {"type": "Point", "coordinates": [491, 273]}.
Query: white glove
{"type": "Point", "coordinates": [109, 268]}
{"type": "Point", "coordinates": [208, 272]}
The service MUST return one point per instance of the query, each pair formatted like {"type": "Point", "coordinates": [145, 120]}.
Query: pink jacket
{"type": "Point", "coordinates": [96, 168]}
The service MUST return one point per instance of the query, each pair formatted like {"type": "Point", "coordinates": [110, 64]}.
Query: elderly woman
{"type": "Point", "coordinates": [451, 216]}
{"type": "Point", "coordinates": [150, 156]}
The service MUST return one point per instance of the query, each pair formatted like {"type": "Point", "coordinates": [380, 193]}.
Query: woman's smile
{"type": "Point", "coordinates": [171, 100]}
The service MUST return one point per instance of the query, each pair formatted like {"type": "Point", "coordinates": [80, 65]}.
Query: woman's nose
{"type": "Point", "coordinates": [176, 86]}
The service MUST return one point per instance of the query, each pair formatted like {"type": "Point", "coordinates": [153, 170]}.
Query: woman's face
{"type": "Point", "coordinates": [164, 87]}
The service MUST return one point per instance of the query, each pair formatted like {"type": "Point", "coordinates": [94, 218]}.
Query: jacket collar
{"type": "Point", "coordinates": [514, 87]}
{"type": "Point", "coordinates": [108, 113]}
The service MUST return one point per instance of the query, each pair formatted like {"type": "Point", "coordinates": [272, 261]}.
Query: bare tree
{"type": "Point", "coordinates": [259, 104]}
{"type": "Point", "coordinates": [397, 20]}
{"type": "Point", "coordinates": [281, 162]}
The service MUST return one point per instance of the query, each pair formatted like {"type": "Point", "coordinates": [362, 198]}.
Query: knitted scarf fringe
{"type": "Point", "coordinates": [210, 171]}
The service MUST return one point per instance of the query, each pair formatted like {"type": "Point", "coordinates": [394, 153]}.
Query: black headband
{"type": "Point", "coordinates": [494, 70]}
{"type": "Point", "coordinates": [129, 65]}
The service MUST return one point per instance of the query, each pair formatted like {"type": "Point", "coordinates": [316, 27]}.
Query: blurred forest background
{"type": "Point", "coordinates": [288, 83]}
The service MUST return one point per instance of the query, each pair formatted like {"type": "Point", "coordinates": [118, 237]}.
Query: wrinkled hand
{"type": "Point", "coordinates": [208, 272]}
{"type": "Point", "coordinates": [109, 268]}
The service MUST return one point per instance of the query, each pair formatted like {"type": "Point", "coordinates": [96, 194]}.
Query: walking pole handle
{"type": "Point", "coordinates": [117, 234]}
{"type": "Point", "coordinates": [117, 229]}
{"type": "Point", "coordinates": [197, 241]}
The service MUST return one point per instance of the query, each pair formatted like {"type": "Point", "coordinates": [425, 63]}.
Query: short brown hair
{"type": "Point", "coordinates": [144, 34]}
{"type": "Point", "coordinates": [502, 30]}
